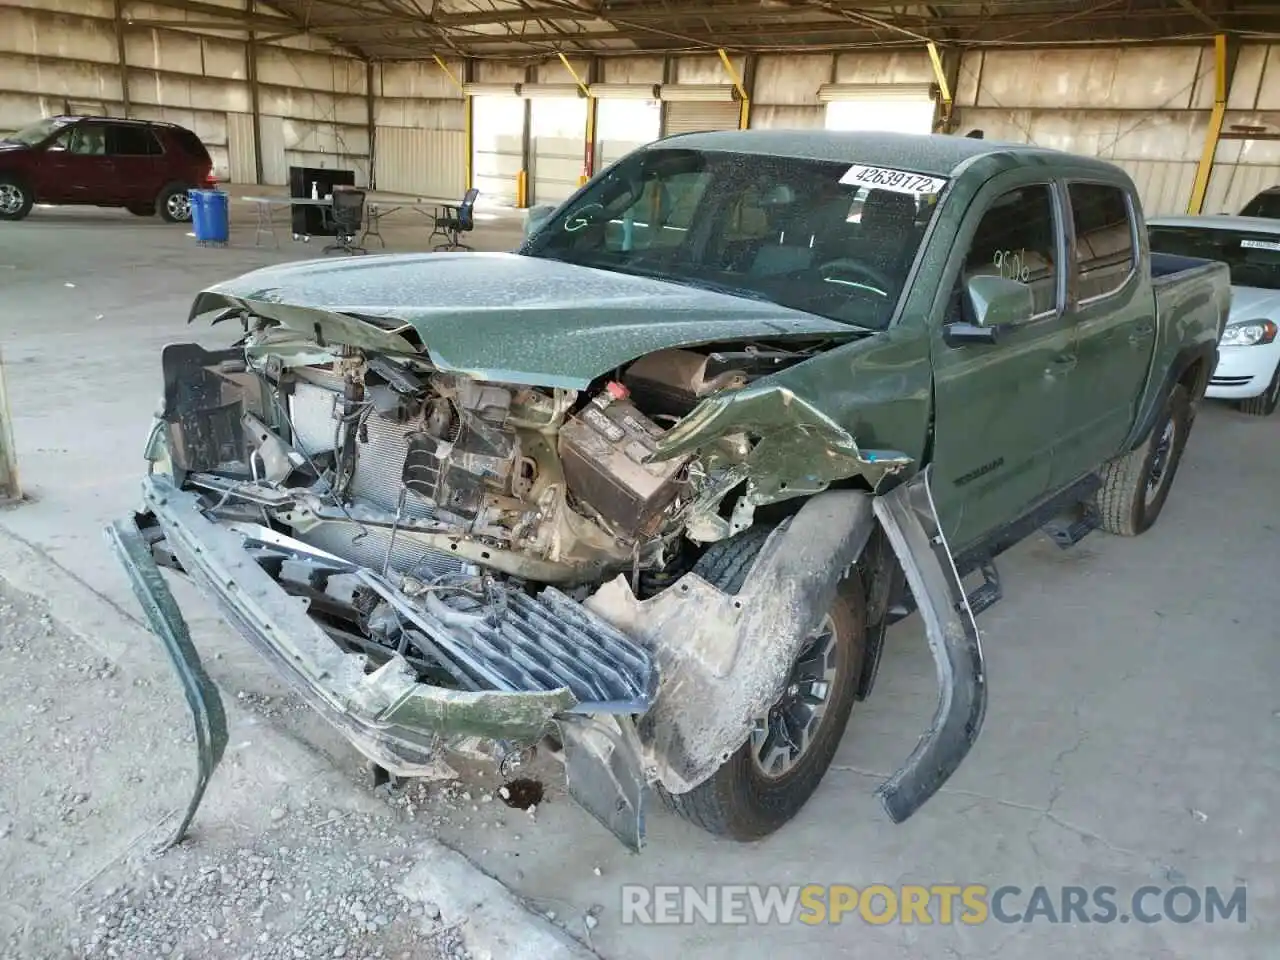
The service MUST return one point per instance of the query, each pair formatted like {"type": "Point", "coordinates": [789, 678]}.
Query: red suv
{"type": "Point", "coordinates": [140, 165]}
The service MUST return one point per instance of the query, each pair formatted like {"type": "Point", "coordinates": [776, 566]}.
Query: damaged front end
{"type": "Point", "coordinates": [425, 554]}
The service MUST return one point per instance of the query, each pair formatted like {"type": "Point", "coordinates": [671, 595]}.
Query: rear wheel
{"type": "Point", "coordinates": [15, 199]}
{"type": "Point", "coordinates": [174, 204]}
{"type": "Point", "coordinates": [771, 776]}
{"type": "Point", "coordinates": [142, 209]}
{"type": "Point", "coordinates": [1136, 485]}
{"type": "Point", "coordinates": [1265, 403]}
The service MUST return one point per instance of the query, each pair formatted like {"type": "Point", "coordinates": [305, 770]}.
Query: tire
{"type": "Point", "coordinates": [16, 199]}
{"type": "Point", "coordinates": [1265, 403]}
{"type": "Point", "coordinates": [1136, 485]}
{"type": "Point", "coordinates": [142, 209]}
{"type": "Point", "coordinates": [739, 801]}
{"type": "Point", "coordinates": [174, 204]}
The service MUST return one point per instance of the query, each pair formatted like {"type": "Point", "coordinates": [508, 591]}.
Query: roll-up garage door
{"type": "Point", "coordinates": [694, 108]}
{"type": "Point", "coordinates": [895, 107]}
{"type": "Point", "coordinates": [497, 145]}
{"type": "Point", "coordinates": [557, 129]}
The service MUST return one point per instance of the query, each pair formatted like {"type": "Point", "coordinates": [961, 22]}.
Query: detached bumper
{"type": "Point", "coordinates": [387, 714]}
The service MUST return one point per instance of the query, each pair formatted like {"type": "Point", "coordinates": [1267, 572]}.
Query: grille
{"type": "Point", "coordinates": [546, 642]}
{"type": "Point", "coordinates": [1229, 381]}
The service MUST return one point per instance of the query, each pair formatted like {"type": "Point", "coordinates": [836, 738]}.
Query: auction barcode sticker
{"type": "Point", "coordinates": [899, 181]}
{"type": "Point", "coordinates": [1260, 244]}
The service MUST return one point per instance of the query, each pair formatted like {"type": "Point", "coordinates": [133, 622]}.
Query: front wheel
{"type": "Point", "coordinates": [16, 199]}
{"type": "Point", "coordinates": [1136, 485]}
{"type": "Point", "coordinates": [174, 204]}
{"type": "Point", "coordinates": [771, 776]}
{"type": "Point", "coordinates": [1266, 402]}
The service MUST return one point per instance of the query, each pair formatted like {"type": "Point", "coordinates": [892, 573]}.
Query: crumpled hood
{"type": "Point", "coordinates": [506, 317]}
{"type": "Point", "coordinates": [1254, 303]}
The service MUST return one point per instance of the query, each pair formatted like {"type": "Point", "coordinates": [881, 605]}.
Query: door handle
{"type": "Point", "coordinates": [1141, 332]}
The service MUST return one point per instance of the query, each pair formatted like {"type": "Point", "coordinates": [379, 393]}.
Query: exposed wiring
{"type": "Point", "coordinates": [282, 408]}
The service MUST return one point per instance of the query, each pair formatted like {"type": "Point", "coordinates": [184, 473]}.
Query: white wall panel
{"type": "Point", "coordinates": [241, 149]}
{"type": "Point", "coordinates": [421, 163]}
{"type": "Point", "coordinates": [790, 81]}
{"type": "Point", "coordinates": [903, 67]}
{"type": "Point", "coordinates": [632, 70]}
{"type": "Point", "coordinates": [419, 80]}
{"type": "Point", "coordinates": [766, 116]}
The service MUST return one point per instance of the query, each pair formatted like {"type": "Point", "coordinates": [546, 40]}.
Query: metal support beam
{"type": "Point", "coordinates": [255, 105]}
{"type": "Point", "coordinates": [946, 95]}
{"type": "Point", "coordinates": [526, 145]}
{"type": "Point", "coordinates": [469, 117]}
{"type": "Point", "coordinates": [121, 58]}
{"type": "Point", "coordinates": [9, 488]}
{"type": "Point", "coordinates": [372, 121]}
{"type": "Point", "coordinates": [582, 85]}
{"type": "Point", "coordinates": [1223, 68]}
{"type": "Point", "coordinates": [744, 97]}
{"type": "Point", "coordinates": [593, 112]}
{"type": "Point", "coordinates": [668, 76]}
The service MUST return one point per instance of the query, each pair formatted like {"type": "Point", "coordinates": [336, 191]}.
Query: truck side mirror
{"type": "Point", "coordinates": [992, 303]}
{"type": "Point", "coordinates": [536, 216]}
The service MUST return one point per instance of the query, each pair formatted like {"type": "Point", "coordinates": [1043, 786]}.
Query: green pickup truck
{"type": "Point", "coordinates": [647, 491]}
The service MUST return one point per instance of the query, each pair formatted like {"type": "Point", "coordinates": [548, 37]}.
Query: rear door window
{"type": "Point", "coordinates": [189, 143]}
{"type": "Point", "coordinates": [131, 141]}
{"type": "Point", "coordinates": [1104, 238]}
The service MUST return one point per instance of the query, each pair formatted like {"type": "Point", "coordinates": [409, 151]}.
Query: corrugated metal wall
{"type": "Point", "coordinates": [422, 163]}
{"type": "Point", "coordinates": [55, 51]}
{"type": "Point", "coordinates": [242, 151]}
{"type": "Point", "coordinates": [1144, 108]}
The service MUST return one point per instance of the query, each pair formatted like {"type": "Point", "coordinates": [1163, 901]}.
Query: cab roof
{"type": "Point", "coordinates": [936, 154]}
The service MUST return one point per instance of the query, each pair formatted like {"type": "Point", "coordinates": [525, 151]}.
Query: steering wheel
{"type": "Point", "coordinates": [583, 217]}
{"type": "Point", "coordinates": [875, 281]}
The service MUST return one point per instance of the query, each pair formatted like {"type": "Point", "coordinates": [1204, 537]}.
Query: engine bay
{"type": "Point", "coordinates": [457, 491]}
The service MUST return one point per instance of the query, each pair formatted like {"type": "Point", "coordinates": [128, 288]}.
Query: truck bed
{"type": "Point", "coordinates": [1184, 285]}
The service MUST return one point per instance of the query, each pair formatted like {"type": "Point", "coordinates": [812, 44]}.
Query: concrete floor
{"type": "Point", "coordinates": [1133, 733]}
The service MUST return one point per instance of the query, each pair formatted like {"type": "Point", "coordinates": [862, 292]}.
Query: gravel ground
{"type": "Point", "coordinates": [95, 772]}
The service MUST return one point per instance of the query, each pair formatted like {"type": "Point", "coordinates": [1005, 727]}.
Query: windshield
{"type": "Point", "coordinates": [1253, 256]}
{"type": "Point", "coordinates": [37, 131]}
{"type": "Point", "coordinates": [827, 238]}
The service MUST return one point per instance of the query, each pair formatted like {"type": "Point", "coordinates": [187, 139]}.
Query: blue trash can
{"type": "Point", "coordinates": [210, 216]}
{"type": "Point", "coordinates": [197, 213]}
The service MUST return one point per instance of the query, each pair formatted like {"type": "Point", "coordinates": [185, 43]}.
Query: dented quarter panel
{"type": "Point", "coordinates": [505, 317]}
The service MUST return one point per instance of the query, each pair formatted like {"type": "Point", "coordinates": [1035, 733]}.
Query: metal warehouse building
{"type": "Point", "coordinates": [522, 99]}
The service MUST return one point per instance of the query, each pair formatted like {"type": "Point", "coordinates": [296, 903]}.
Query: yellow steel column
{"type": "Point", "coordinates": [589, 134]}
{"type": "Point", "coordinates": [1205, 167]}
{"type": "Point", "coordinates": [744, 107]}
{"type": "Point", "coordinates": [944, 89]}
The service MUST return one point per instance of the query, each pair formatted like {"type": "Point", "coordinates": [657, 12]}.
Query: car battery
{"type": "Point", "coordinates": [604, 449]}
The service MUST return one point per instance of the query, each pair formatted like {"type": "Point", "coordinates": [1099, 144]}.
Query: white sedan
{"type": "Point", "coordinates": [1248, 370]}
